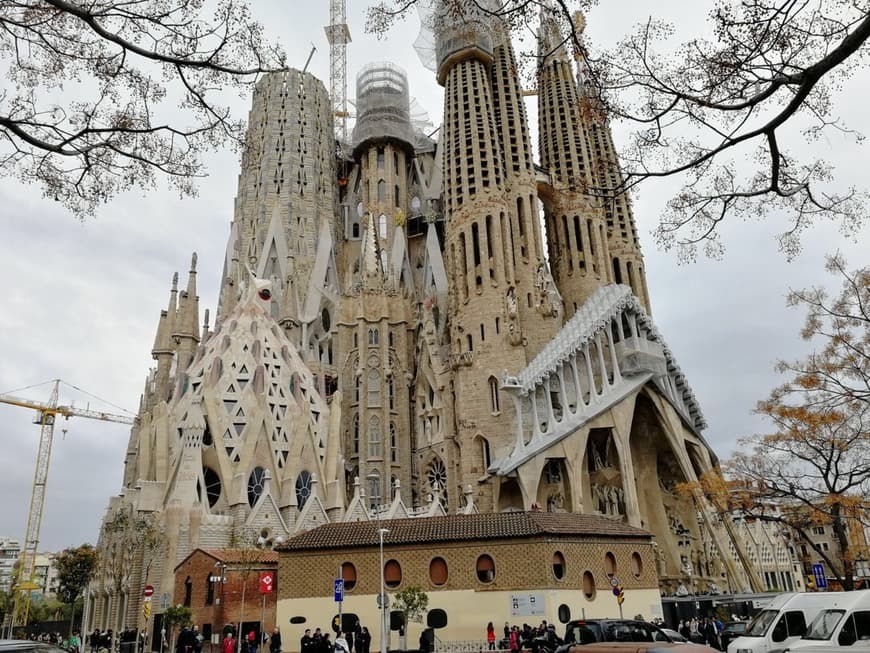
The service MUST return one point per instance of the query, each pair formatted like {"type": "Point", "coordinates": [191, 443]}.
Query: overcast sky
{"type": "Point", "coordinates": [81, 300]}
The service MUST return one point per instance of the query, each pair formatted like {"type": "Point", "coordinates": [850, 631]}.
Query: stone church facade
{"type": "Point", "coordinates": [396, 336]}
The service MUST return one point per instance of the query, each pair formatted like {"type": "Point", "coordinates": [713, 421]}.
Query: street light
{"type": "Point", "coordinates": [382, 599]}
{"type": "Point", "coordinates": [382, 596]}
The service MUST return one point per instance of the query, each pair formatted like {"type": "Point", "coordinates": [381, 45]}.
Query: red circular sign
{"type": "Point", "coordinates": [148, 591]}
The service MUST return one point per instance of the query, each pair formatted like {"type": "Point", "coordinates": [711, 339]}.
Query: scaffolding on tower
{"type": "Point", "coordinates": [338, 35]}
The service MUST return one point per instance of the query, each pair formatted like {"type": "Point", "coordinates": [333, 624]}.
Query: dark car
{"type": "Point", "coordinates": [732, 630]}
{"type": "Point", "coordinates": [588, 631]}
{"type": "Point", "coordinates": [27, 646]}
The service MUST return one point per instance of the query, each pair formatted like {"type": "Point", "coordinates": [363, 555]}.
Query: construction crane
{"type": "Point", "coordinates": [47, 414]}
{"type": "Point", "coordinates": [338, 35]}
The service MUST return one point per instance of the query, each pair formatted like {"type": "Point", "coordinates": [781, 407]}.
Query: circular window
{"type": "Point", "coordinates": [212, 485]}
{"type": "Point", "coordinates": [558, 565]}
{"type": "Point", "coordinates": [255, 485]}
{"type": "Point", "coordinates": [485, 569]}
{"type": "Point", "coordinates": [392, 574]}
{"type": "Point", "coordinates": [636, 564]}
{"type": "Point", "coordinates": [609, 564]}
{"type": "Point", "coordinates": [303, 488]}
{"type": "Point", "coordinates": [265, 294]}
{"type": "Point", "coordinates": [348, 573]}
{"type": "Point", "coordinates": [588, 585]}
{"type": "Point", "coordinates": [436, 474]}
{"type": "Point", "coordinates": [438, 571]}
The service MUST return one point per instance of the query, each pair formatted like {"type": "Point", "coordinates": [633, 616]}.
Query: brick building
{"type": "Point", "coordinates": [214, 603]}
{"type": "Point", "coordinates": [517, 567]}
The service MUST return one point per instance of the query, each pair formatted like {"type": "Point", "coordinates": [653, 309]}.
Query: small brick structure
{"type": "Point", "coordinates": [216, 603]}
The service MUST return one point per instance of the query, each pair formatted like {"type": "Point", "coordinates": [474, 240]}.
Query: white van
{"type": "Point", "coordinates": [782, 622]}
{"type": "Point", "coordinates": [845, 622]}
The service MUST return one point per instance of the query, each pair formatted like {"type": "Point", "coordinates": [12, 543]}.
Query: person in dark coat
{"type": "Point", "coordinates": [365, 641]}
{"type": "Point", "coordinates": [275, 641]}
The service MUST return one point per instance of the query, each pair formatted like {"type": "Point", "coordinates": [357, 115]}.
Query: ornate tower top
{"type": "Point", "coordinates": [383, 106]}
{"type": "Point", "coordinates": [462, 29]}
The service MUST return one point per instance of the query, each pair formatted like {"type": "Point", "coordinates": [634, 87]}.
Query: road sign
{"type": "Point", "coordinates": [819, 576]}
{"type": "Point", "coordinates": [148, 591]}
{"type": "Point", "coordinates": [146, 610]}
{"type": "Point", "coordinates": [338, 590]}
{"type": "Point", "coordinates": [614, 581]}
{"type": "Point", "coordinates": [267, 582]}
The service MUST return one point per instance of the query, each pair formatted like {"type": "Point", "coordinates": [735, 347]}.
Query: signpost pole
{"type": "Point", "coordinates": [340, 583]}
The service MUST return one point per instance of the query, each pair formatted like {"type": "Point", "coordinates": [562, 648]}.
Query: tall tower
{"type": "Point", "coordinates": [624, 246]}
{"type": "Point", "coordinates": [376, 319]}
{"type": "Point", "coordinates": [491, 242]}
{"type": "Point", "coordinates": [577, 240]}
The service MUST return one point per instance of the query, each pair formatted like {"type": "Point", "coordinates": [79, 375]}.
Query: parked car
{"type": "Point", "coordinates": [675, 637]}
{"type": "Point", "coordinates": [588, 631]}
{"type": "Point", "coordinates": [642, 647]}
{"type": "Point", "coordinates": [732, 630]}
{"type": "Point", "coordinates": [27, 646]}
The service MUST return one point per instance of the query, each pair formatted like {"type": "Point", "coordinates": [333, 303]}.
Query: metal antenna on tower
{"type": "Point", "coordinates": [338, 35]}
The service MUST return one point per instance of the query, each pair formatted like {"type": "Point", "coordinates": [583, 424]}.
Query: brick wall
{"type": "Point", "coordinates": [227, 604]}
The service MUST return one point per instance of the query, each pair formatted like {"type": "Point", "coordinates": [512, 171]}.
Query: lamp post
{"type": "Point", "coordinates": [382, 599]}
{"type": "Point", "coordinates": [382, 596]}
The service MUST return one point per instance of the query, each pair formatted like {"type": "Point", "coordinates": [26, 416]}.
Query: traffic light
{"type": "Point", "coordinates": [619, 594]}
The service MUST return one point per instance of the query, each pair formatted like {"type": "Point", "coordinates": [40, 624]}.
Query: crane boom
{"type": "Point", "coordinates": [46, 417]}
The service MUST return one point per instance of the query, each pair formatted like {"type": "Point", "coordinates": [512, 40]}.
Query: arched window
{"type": "Point", "coordinates": [374, 336]}
{"type": "Point", "coordinates": [484, 452]}
{"type": "Point", "coordinates": [209, 590]}
{"type": "Point", "coordinates": [348, 573]}
{"type": "Point", "coordinates": [374, 480]}
{"type": "Point", "coordinates": [493, 395]}
{"type": "Point", "coordinates": [382, 190]}
{"type": "Point", "coordinates": [391, 393]}
{"type": "Point", "coordinates": [588, 585]}
{"type": "Point", "coordinates": [381, 158]}
{"type": "Point", "coordinates": [188, 590]}
{"type": "Point", "coordinates": [373, 387]}
{"type": "Point", "coordinates": [256, 482]}
{"type": "Point", "coordinates": [636, 564]}
{"type": "Point", "coordinates": [356, 389]}
{"type": "Point", "coordinates": [392, 574]}
{"type": "Point", "coordinates": [610, 564]}
{"type": "Point", "coordinates": [438, 571]}
{"type": "Point", "coordinates": [303, 488]}
{"type": "Point", "coordinates": [375, 445]}
{"type": "Point", "coordinates": [356, 434]}
{"type": "Point", "coordinates": [485, 569]}
{"type": "Point", "coordinates": [558, 565]}
{"type": "Point", "coordinates": [382, 226]}
{"type": "Point", "coordinates": [394, 444]}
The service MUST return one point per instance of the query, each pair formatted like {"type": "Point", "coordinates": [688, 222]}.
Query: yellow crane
{"type": "Point", "coordinates": [47, 414]}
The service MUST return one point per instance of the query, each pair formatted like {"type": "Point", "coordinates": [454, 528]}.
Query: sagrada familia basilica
{"type": "Point", "coordinates": [397, 336]}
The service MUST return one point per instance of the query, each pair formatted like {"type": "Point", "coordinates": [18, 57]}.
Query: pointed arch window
{"type": "Point", "coordinates": [394, 444]}
{"type": "Point", "coordinates": [374, 480]}
{"type": "Point", "coordinates": [373, 387]}
{"type": "Point", "coordinates": [391, 393]}
{"type": "Point", "coordinates": [374, 336]}
{"type": "Point", "coordinates": [188, 591]}
{"type": "Point", "coordinates": [374, 437]}
{"type": "Point", "coordinates": [382, 226]}
{"type": "Point", "coordinates": [493, 396]}
{"type": "Point", "coordinates": [356, 434]}
{"type": "Point", "coordinates": [382, 190]}
{"type": "Point", "coordinates": [356, 389]}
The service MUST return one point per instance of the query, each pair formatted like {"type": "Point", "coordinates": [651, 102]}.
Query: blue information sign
{"type": "Point", "coordinates": [338, 590]}
{"type": "Point", "coordinates": [819, 576]}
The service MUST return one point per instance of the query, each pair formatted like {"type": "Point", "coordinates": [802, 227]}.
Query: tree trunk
{"type": "Point", "coordinates": [839, 525]}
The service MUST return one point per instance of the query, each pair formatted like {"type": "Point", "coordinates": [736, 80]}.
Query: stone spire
{"type": "Point", "coordinates": [164, 347]}
{"type": "Point", "coordinates": [186, 332]}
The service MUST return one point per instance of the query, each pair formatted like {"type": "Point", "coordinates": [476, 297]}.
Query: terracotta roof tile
{"type": "Point", "coordinates": [237, 556]}
{"type": "Point", "coordinates": [451, 528]}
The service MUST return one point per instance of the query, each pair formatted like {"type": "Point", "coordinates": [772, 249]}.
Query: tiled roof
{"type": "Point", "coordinates": [454, 528]}
{"type": "Point", "coordinates": [238, 556]}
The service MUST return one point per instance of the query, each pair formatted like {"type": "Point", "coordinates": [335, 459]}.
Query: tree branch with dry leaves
{"type": "Point", "coordinates": [90, 108]}
{"type": "Point", "coordinates": [723, 114]}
